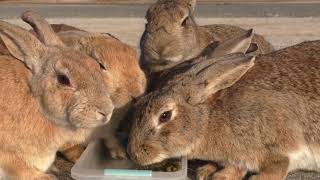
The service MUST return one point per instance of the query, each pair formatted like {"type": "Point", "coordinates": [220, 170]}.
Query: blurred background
{"type": "Point", "coordinates": [283, 22]}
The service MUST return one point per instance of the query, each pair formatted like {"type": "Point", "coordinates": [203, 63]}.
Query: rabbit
{"type": "Point", "coordinates": [48, 93]}
{"type": "Point", "coordinates": [249, 114]}
{"type": "Point", "coordinates": [236, 44]}
{"type": "Point", "coordinates": [172, 36]}
{"type": "Point", "coordinates": [124, 78]}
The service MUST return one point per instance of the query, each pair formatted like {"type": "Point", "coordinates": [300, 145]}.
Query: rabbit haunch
{"type": "Point", "coordinates": [262, 117]}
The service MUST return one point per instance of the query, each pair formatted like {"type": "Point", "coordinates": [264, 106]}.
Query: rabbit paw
{"type": "Point", "coordinates": [230, 173]}
{"type": "Point", "coordinates": [222, 176]}
{"type": "Point", "coordinates": [54, 170]}
{"type": "Point", "coordinates": [73, 153]}
{"type": "Point", "coordinates": [206, 171]}
{"type": "Point", "coordinates": [117, 152]}
{"type": "Point", "coordinates": [46, 177]}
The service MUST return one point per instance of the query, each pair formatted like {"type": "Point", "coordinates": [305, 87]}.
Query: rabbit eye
{"type": "Point", "coordinates": [63, 80]}
{"type": "Point", "coordinates": [102, 67]}
{"type": "Point", "coordinates": [165, 117]}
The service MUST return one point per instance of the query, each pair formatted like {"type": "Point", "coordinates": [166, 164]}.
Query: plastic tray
{"type": "Point", "coordinates": [94, 163]}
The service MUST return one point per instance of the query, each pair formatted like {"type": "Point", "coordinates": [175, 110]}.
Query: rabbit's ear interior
{"type": "Point", "coordinates": [22, 45]}
{"type": "Point", "coordinates": [221, 74]}
{"type": "Point", "coordinates": [253, 48]}
{"type": "Point", "coordinates": [241, 43]}
{"type": "Point", "coordinates": [42, 28]}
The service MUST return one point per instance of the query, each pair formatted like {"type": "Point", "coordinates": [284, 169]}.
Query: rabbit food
{"type": "Point", "coordinates": [169, 165]}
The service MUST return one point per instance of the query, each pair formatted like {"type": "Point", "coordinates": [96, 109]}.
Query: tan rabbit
{"type": "Point", "coordinates": [248, 115]}
{"type": "Point", "coordinates": [122, 74]}
{"type": "Point", "coordinates": [171, 35]}
{"type": "Point", "coordinates": [125, 79]}
{"type": "Point", "coordinates": [48, 93]}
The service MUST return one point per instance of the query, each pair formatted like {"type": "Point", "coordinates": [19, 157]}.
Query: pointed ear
{"type": "Point", "coordinates": [22, 45]}
{"type": "Point", "coordinates": [208, 78]}
{"type": "Point", "coordinates": [42, 28]}
{"type": "Point", "coordinates": [236, 44]}
{"type": "Point", "coordinates": [192, 3]}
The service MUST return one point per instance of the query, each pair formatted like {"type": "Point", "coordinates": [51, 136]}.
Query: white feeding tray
{"type": "Point", "coordinates": [95, 164]}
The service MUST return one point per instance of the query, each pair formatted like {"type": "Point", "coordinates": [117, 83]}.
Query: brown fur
{"type": "Point", "coordinates": [267, 122]}
{"type": "Point", "coordinates": [124, 78]}
{"type": "Point", "coordinates": [39, 114]}
{"type": "Point", "coordinates": [166, 42]}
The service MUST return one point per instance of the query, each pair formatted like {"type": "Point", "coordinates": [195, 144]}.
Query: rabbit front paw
{"type": "Point", "coordinates": [72, 152]}
{"type": "Point", "coordinates": [206, 171]}
{"type": "Point", "coordinates": [46, 177]}
{"type": "Point", "coordinates": [229, 173]}
{"type": "Point", "coordinates": [117, 152]}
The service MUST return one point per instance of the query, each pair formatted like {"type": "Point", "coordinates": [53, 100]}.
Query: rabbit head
{"type": "Point", "coordinates": [119, 62]}
{"type": "Point", "coordinates": [67, 84]}
{"type": "Point", "coordinates": [171, 34]}
{"type": "Point", "coordinates": [165, 119]}
{"type": "Point", "coordinates": [241, 43]}
{"type": "Point", "coordinates": [171, 121]}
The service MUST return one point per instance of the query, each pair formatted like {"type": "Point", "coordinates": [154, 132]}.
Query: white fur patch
{"type": "Point", "coordinates": [43, 163]}
{"type": "Point", "coordinates": [160, 158]}
{"type": "Point", "coordinates": [307, 158]}
{"type": "Point", "coordinates": [175, 58]}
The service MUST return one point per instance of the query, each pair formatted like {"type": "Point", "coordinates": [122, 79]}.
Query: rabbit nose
{"type": "Point", "coordinates": [100, 116]}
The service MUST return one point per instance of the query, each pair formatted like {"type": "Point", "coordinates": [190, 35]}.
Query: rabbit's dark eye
{"type": "Point", "coordinates": [102, 67]}
{"type": "Point", "coordinates": [63, 80]}
{"type": "Point", "coordinates": [185, 22]}
{"type": "Point", "coordinates": [165, 116]}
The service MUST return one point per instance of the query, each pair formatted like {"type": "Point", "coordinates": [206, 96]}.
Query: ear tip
{"type": "Point", "coordinates": [250, 32]}
{"type": "Point", "coordinates": [28, 15]}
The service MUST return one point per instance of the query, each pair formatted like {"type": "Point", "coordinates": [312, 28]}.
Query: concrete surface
{"type": "Point", "coordinates": [280, 31]}
{"type": "Point", "coordinates": [305, 9]}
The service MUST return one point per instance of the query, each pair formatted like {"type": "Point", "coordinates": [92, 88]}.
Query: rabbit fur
{"type": "Point", "coordinates": [124, 78]}
{"type": "Point", "coordinates": [248, 114]}
{"type": "Point", "coordinates": [172, 36]}
{"type": "Point", "coordinates": [48, 93]}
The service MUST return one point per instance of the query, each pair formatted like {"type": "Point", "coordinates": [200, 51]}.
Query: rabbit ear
{"type": "Point", "coordinates": [236, 44]}
{"type": "Point", "coordinates": [192, 3]}
{"type": "Point", "coordinates": [42, 28]}
{"type": "Point", "coordinates": [208, 78]}
{"type": "Point", "coordinates": [22, 45]}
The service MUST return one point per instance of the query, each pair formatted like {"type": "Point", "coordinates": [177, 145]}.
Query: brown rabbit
{"type": "Point", "coordinates": [260, 116]}
{"type": "Point", "coordinates": [171, 35]}
{"type": "Point", "coordinates": [48, 93]}
{"type": "Point", "coordinates": [122, 74]}
{"type": "Point", "coordinates": [125, 79]}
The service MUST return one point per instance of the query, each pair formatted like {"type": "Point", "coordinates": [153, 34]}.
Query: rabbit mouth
{"type": "Point", "coordinates": [89, 120]}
